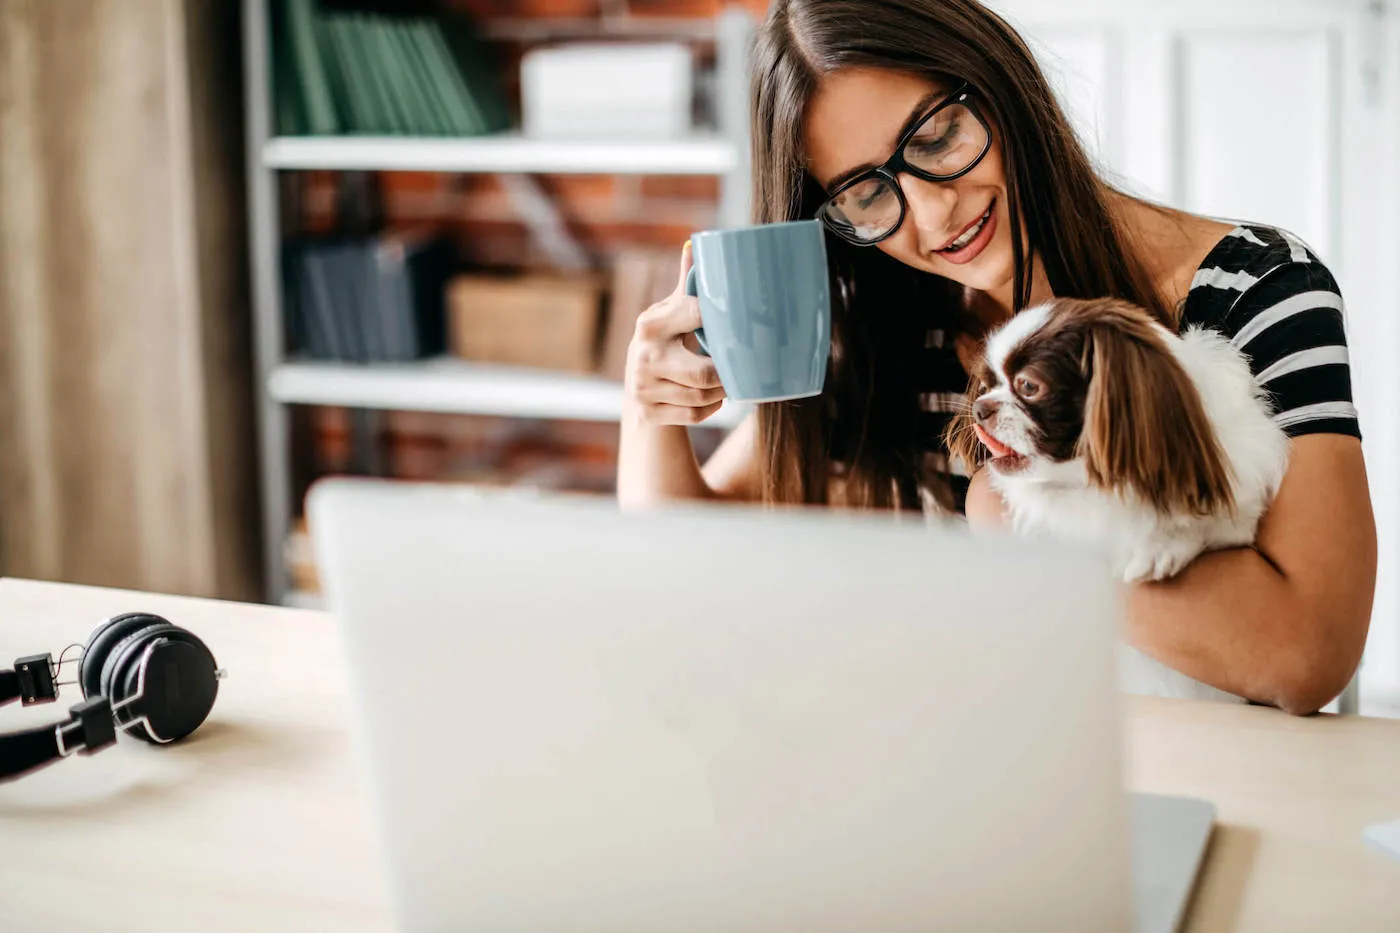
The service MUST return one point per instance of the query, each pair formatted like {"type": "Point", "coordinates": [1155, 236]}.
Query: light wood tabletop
{"type": "Point", "coordinates": [259, 822]}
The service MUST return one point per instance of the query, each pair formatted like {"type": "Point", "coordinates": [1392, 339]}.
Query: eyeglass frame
{"type": "Point", "coordinates": [896, 164]}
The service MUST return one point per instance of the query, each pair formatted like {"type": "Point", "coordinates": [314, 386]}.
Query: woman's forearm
{"type": "Point", "coordinates": [1283, 622]}
{"type": "Point", "coordinates": [656, 463]}
{"type": "Point", "coordinates": [1235, 621]}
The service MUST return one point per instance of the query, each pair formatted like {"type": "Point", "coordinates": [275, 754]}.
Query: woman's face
{"type": "Point", "coordinates": [854, 123]}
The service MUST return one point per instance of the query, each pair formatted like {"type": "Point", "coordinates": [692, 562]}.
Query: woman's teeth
{"type": "Point", "coordinates": [962, 241]}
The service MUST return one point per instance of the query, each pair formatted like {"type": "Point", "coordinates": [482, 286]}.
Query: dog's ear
{"type": "Point", "coordinates": [1145, 428]}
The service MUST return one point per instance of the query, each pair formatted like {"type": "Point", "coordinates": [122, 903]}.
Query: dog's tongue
{"type": "Point", "coordinates": [997, 448]}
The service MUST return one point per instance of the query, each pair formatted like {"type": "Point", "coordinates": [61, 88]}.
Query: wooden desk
{"type": "Point", "coordinates": [258, 822]}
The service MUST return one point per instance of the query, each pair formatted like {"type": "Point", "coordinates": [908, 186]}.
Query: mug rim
{"type": "Point", "coordinates": [756, 228]}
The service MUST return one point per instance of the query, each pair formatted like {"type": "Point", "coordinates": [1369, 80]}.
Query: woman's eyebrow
{"type": "Point", "coordinates": [915, 115]}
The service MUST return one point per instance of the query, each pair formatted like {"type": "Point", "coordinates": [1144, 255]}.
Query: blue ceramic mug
{"type": "Point", "coordinates": [765, 302]}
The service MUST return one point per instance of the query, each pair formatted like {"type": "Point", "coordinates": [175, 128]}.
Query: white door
{"type": "Point", "coordinates": [1283, 112]}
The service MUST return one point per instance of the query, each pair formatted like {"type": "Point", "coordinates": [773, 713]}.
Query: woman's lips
{"type": "Point", "coordinates": [974, 249]}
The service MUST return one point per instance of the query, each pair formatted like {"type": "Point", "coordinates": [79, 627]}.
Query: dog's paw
{"type": "Point", "coordinates": [1138, 567]}
{"type": "Point", "coordinates": [1172, 561]}
{"type": "Point", "coordinates": [1159, 559]}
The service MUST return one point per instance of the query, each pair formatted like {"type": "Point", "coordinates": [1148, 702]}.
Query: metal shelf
{"type": "Point", "coordinates": [459, 387]}
{"type": "Point", "coordinates": [697, 155]}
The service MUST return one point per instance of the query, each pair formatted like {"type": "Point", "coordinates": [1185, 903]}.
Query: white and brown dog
{"type": "Point", "coordinates": [1100, 426]}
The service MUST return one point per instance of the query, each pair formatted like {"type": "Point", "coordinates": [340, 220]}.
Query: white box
{"type": "Point", "coordinates": [608, 91]}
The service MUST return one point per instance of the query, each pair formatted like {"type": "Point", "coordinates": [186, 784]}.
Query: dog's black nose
{"type": "Point", "coordinates": [984, 409]}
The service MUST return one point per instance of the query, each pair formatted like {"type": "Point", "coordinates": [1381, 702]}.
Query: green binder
{"type": "Point", "coordinates": [306, 51]}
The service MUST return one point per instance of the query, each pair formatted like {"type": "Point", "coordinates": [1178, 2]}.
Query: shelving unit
{"type": "Point", "coordinates": [450, 386]}
{"type": "Point", "coordinates": [700, 155]}
{"type": "Point", "coordinates": [457, 386]}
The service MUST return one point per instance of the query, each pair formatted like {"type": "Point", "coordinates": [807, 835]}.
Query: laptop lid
{"type": "Point", "coordinates": [725, 719]}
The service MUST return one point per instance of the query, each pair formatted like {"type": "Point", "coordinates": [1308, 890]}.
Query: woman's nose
{"type": "Point", "coordinates": [931, 208]}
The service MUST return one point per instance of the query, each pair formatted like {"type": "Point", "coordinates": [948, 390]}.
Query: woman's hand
{"type": "Point", "coordinates": [666, 382]}
{"type": "Point", "coordinates": [985, 510]}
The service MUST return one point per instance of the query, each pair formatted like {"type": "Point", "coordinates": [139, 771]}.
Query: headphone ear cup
{"type": "Point", "coordinates": [121, 671]}
{"type": "Point", "coordinates": [100, 645]}
{"type": "Point", "coordinates": [181, 681]}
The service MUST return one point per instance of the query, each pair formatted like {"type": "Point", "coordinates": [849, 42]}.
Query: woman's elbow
{"type": "Point", "coordinates": [1318, 668]}
{"type": "Point", "coordinates": [1304, 697]}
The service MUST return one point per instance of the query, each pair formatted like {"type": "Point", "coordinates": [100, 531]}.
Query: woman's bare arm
{"type": "Point", "coordinates": [657, 464]}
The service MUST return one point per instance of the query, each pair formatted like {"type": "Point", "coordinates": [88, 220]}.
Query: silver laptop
{"type": "Point", "coordinates": [711, 719]}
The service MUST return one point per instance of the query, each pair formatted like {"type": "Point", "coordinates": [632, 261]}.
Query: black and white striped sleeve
{"type": "Point", "coordinates": [1291, 324]}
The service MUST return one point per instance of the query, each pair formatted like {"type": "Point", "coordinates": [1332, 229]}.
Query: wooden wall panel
{"type": "Point", "coordinates": [126, 452]}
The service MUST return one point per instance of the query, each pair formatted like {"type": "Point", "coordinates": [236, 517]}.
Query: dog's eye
{"type": "Point", "coordinates": [1028, 388]}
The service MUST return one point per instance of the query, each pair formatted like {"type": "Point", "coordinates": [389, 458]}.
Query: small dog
{"type": "Point", "coordinates": [1103, 427]}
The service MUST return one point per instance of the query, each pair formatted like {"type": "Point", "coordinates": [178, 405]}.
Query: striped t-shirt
{"type": "Point", "coordinates": [1262, 288]}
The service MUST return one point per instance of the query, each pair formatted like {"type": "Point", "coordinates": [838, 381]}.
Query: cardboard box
{"type": "Point", "coordinates": [550, 322]}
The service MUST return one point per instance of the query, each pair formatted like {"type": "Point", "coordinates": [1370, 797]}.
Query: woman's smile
{"type": "Point", "coordinates": [973, 240]}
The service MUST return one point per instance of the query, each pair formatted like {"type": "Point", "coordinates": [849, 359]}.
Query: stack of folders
{"type": "Point", "coordinates": [338, 70]}
{"type": "Point", "coordinates": [368, 300]}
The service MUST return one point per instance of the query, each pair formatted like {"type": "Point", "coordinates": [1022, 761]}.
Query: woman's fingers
{"type": "Point", "coordinates": [666, 320]}
{"type": "Point", "coordinates": [670, 393]}
{"type": "Point", "coordinates": [673, 316]}
{"type": "Point", "coordinates": [679, 414]}
{"type": "Point", "coordinates": [672, 384]}
{"type": "Point", "coordinates": [690, 369]}
{"type": "Point", "coordinates": [651, 362]}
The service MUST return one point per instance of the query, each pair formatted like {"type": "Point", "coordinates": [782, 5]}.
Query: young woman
{"type": "Point", "coordinates": [955, 194]}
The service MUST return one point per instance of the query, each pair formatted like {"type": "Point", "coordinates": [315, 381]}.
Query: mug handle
{"type": "Point", "coordinates": [693, 291]}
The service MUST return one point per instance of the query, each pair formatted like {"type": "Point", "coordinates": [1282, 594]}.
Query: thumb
{"type": "Point", "coordinates": [687, 260]}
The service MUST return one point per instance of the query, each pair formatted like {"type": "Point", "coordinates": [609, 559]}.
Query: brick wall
{"type": "Point", "coordinates": [493, 9]}
{"type": "Point", "coordinates": [605, 213]}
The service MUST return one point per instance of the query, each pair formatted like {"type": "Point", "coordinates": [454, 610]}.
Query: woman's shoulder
{"type": "Point", "coordinates": [1268, 292]}
{"type": "Point", "coordinates": [1252, 263]}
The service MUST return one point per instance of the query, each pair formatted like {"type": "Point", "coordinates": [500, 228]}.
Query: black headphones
{"type": "Point", "coordinates": [139, 673]}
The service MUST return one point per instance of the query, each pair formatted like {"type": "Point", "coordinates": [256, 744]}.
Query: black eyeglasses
{"type": "Point", "coordinates": [947, 143]}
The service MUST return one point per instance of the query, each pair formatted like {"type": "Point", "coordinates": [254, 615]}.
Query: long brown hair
{"type": "Point", "coordinates": [863, 431]}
